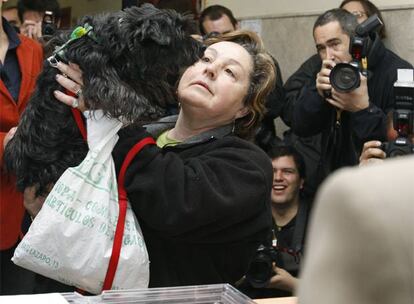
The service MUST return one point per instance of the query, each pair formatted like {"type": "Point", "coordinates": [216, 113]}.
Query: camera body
{"type": "Point", "coordinates": [261, 266]}
{"type": "Point", "coordinates": [344, 77]}
{"type": "Point", "coordinates": [399, 147]}
{"type": "Point", "coordinates": [48, 24]}
{"type": "Point", "coordinates": [403, 115]}
{"type": "Point", "coordinates": [260, 269]}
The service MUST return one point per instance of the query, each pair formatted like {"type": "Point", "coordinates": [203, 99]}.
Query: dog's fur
{"type": "Point", "coordinates": [130, 74]}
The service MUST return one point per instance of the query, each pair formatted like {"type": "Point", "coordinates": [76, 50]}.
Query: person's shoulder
{"type": "Point", "coordinates": [240, 143]}
{"type": "Point", "coordinates": [30, 43]}
{"type": "Point", "coordinates": [313, 63]}
{"type": "Point", "coordinates": [372, 185]}
{"type": "Point", "coordinates": [394, 61]}
{"type": "Point", "coordinates": [243, 148]}
{"type": "Point", "coordinates": [306, 73]}
{"type": "Point", "coordinates": [350, 177]}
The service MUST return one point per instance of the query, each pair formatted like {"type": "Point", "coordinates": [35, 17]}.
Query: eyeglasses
{"type": "Point", "coordinates": [358, 14]}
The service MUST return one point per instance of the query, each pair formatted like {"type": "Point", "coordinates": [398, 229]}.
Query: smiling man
{"type": "Point", "coordinates": [290, 214]}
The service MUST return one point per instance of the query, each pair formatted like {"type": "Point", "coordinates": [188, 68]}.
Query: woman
{"type": "Point", "coordinates": [363, 9]}
{"type": "Point", "coordinates": [202, 195]}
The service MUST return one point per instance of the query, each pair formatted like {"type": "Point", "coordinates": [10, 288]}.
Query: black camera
{"type": "Point", "coordinates": [260, 269]}
{"type": "Point", "coordinates": [261, 266]}
{"type": "Point", "coordinates": [399, 147]}
{"type": "Point", "coordinates": [344, 77]}
{"type": "Point", "coordinates": [48, 24]}
{"type": "Point", "coordinates": [403, 115]}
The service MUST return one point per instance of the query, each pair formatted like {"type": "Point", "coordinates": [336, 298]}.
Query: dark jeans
{"type": "Point", "coordinates": [14, 279]}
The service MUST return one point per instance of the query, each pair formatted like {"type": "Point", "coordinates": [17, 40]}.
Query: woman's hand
{"type": "Point", "coordinates": [31, 202]}
{"type": "Point", "coordinates": [9, 136]}
{"type": "Point", "coordinates": [71, 79]}
{"type": "Point", "coordinates": [371, 153]}
{"type": "Point", "coordinates": [32, 29]}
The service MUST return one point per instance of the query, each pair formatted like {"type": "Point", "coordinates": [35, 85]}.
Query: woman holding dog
{"type": "Point", "coordinates": [202, 194]}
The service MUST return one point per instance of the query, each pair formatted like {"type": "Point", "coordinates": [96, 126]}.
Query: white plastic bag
{"type": "Point", "coordinates": [71, 238]}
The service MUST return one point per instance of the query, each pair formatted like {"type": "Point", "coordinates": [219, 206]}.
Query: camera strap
{"type": "Point", "coordinates": [290, 257]}
{"type": "Point", "coordinates": [300, 226]}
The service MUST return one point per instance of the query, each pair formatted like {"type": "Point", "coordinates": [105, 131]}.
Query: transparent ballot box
{"type": "Point", "coordinates": [201, 294]}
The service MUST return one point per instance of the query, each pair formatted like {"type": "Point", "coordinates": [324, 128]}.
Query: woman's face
{"type": "Point", "coordinates": [356, 8]}
{"type": "Point", "coordinates": [214, 88]}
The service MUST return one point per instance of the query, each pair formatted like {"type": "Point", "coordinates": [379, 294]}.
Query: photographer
{"type": "Point", "coordinates": [373, 151]}
{"type": "Point", "coordinates": [346, 120]}
{"type": "Point", "coordinates": [290, 215]}
{"type": "Point", "coordinates": [32, 14]}
{"type": "Point", "coordinates": [310, 146]}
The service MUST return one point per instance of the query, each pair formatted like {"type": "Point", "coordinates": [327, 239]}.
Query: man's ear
{"type": "Point", "coordinates": [237, 27]}
{"type": "Point", "coordinates": [302, 182]}
{"type": "Point", "coordinates": [242, 112]}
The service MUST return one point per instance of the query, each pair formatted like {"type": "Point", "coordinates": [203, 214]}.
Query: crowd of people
{"type": "Point", "coordinates": [219, 184]}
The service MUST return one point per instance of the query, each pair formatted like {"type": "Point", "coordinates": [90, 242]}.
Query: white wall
{"type": "Point", "coordinates": [243, 9]}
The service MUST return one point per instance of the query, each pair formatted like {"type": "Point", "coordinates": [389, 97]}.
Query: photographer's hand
{"type": "Point", "coordinates": [352, 101]}
{"type": "Point", "coordinates": [32, 29]}
{"type": "Point", "coordinates": [371, 153]}
{"type": "Point", "coordinates": [283, 280]}
{"type": "Point", "coordinates": [322, 78]}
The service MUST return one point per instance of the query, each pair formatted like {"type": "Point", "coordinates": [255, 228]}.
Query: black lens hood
{"type": "Point", "coordinates": [344, 77]}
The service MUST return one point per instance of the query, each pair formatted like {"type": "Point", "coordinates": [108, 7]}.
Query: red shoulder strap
{"type": "Point", "coordinates": [119, 232]}
{"type": "Point", "coordinates": [79, 122]}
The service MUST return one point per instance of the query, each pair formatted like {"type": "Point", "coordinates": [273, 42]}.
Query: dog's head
{"type": "Point", "coordinates": [131, 68]}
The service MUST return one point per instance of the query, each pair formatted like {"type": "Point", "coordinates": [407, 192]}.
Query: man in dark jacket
{"type": "Point", "coordinates": [310, 146]}
{"type": "Point", "coordinates": [345, 120]}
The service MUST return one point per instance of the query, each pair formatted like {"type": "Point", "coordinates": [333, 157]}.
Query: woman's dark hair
{"type": "Point", "coordinates": [262, 79]}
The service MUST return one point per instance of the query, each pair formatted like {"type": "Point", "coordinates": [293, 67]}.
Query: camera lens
{"type": "Point", "coordinates": [48, 29]}
{"type": "Point", "coordinates": [344, 77]}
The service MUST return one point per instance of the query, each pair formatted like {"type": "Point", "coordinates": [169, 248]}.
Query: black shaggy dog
{"type": "Point", "coordinates": [131, 61]}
